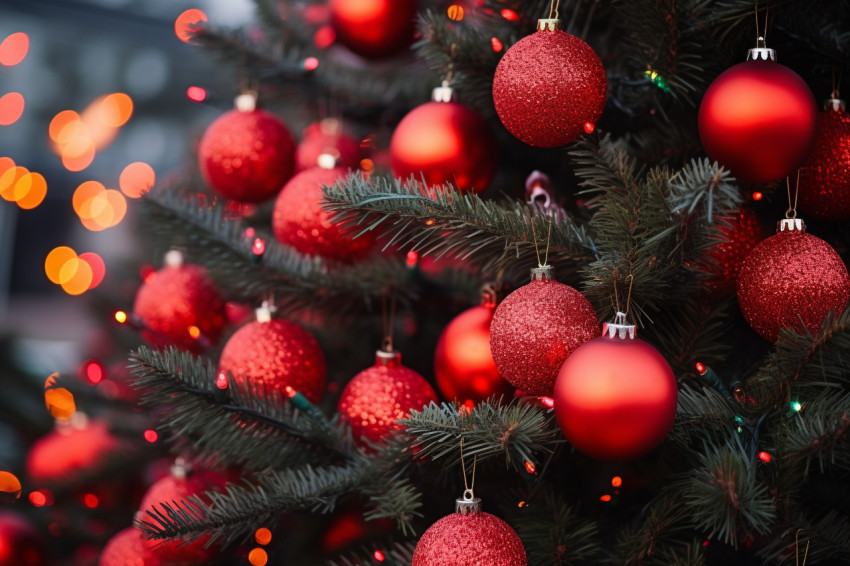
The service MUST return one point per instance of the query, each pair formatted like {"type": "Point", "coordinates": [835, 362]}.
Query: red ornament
{"type": "Point", "coordinates": [126, 548]}
{"type": "Point", "coordinates": [20, 542]}
{"type": "Point", "coordinates": [469, 537]}
{"type": "Point", "coordinates": [299, 221]}
{"type": "Point", "coordinates": [824, 190]}
{"type": "Point", "coordinates": [66, 452]}
{"type": "Point", "coordinates": [179, 305]}
{"type": "Point", "coordinates": [463, 364]}
{"type": "Point", "coordinates": [379, 396]}
{"type": "Point", "coordinates": [247, 156]}
{"type": "Point", "coordinates": [792, 279]}
{"type": "Point", "coordinates": [536, 327]}
{"type": "Point", "coordinates": [740, 233]}
{"type": "Point", "coordinates": [445, 142]}
{"type": "Point", "coordinates": [549, 86]}
{"type": "Point", "coordinates": [276, 353]}
{"type": "Point", "coordinates": [374, 28]}
{"type": "Point", "coordinates": [327, 137]}
{"type": "Point", "coordinates": [615, 398]}
{"type": "Point", "coordinates": [758, 118]}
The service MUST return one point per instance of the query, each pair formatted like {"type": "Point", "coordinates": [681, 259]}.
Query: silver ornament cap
{"type": "Point", "coordinates": [620, 328]}
{"type": "Point", "coordinates": [468, 504]}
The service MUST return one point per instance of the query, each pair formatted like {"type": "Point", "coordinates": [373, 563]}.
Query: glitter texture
{"type": "Point", "coordinates": [175, 299]}
{"type": "Point", "coordinates": [476, 539]}
{"type": "Point", "coordinates": [60, 455]}
{"type": "Point", "coordinates": [824, 191]}
{"type": "Point", "coordinates": [276, 353]}
{"type": "Point", "coordinates": [247, 156]}
{"type": "Point", "coordinates": [792, 280]}
{"type": "Point", "coordinates": [534, 330]}
{"type": "Point", "coordinates": [739, 234]}
{"type": "Point", "coordinates": [126, 549]}
{"type": "Point", "coordinates": [299, 221]}
{"type": "Point", "coordinates": [547, 86]}
{"type": "Point", "coordinates": [379, 396]}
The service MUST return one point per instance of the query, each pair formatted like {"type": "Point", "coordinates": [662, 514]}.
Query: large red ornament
{"type": "Point", "coordinates": [299, 221]}
{"type": "Point", "coordinates": [758, 119]}
{"type": "Point", "coordinates": [469, 537]}
{"type": "Point", "coordinates": [615, 398]}
{"type": "Point", "coordinates": [445, 142]}
{"type": "Point", "coordinates": [824, 189]}
{"type": "Point", "coordinates": [739, 233]}
{"type": "Point", "coordinates": [374, 28]}
{"type": "Point", "coordinates": [127, 549]}
{"type": "Point", "coordinates": [179, 305]}
{"type": "Point", "coordinates": [549, 87]}
{"type": "Point", "coordinates": [792, 279]}
{"type": "Point", "coordinates": [20, 542]}
{"type": "Point", "coordinates": [377, 397]}
{"type": "Point", "coordinates": [327, 138]}
{"type": "Point", "coordinates": [536, 327]}
{"type": "Point", "coordinates": [68, 451]}
{"type": "Point", "coordinates": [247, 156]}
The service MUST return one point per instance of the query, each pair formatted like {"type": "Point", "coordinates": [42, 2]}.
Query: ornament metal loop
{"type": "Point", "coordinates": [763, 53]}
{"type": "Point", "coordinates": [467, 504]}
{"type": "Point", "coordinates": [620, 328]}
{"type": "Point", "coordinates": [548, 24]}
{"type": "Point", "coordinates": [543, 273]}
{"type": "Point", "coordinates": [791, 224]}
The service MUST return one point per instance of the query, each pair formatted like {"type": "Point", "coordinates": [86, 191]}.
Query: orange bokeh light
{"type": "Point", "coordinates": [9, 180]}
{"type": "Point", "coordinates": [263, 536]}
{"type": "Point", "coordinates": [136, 179]}
{"type": "Point", "coordinates": [98, 268]}
{"type": "Point", "coordinates": [616, 481]}
{"type": "Point", "coordinates": [455, 12]}
{"type": "Point", "coordinates": [85, 192]}
{"type": "Point", "coordinates": [79, 162]}
{"type": "Point", "coordinates": [11, 108]}
{"type": "Point", "coordinates": [109, 111]}
{"type": "Point", "coordinates": [75, 276]}
{"type": "Point", "coordinates": [60, 403]}
{"type": "Point", "coordinates": [55, 260]}
{"type": "Point", "coordinates": [9, 483]}
{"type": "Point", "coordinates": [120, 317]}
{"type": "Point", "coordinates": [30, 190]}
{"type": "Point", "coordinates": [258, 557]}
{"type": "Point", "coordinates": [186, 21]}
{"type": "Point", "coordinates": [104, 210]}
{"type": "Point", "coordinates": [60, 126]}
{"type": "Point", "coordinates": [14, 48]}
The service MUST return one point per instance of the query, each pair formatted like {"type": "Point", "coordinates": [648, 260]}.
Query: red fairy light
{"type": "Point", "coordinates": [290, 392]}
{"type": "Point", "coordinates": [196, 94]}
{"type": "Point", "coordinates": [510, 15]}
{"type": "Point", "coordinates": [529, 467]}
{"type": "Point", "coordinates": [379, 556]}
{"type": "Point", "coordinates": [412, 258]}
{"type": "Point", "coordinates": [605, 497]}
{"type": "Point", "coordinates": [259, 247]}
{"type": "Point", "coordinates": [497, 44]}
{"type": "Point", "coordinates": [764, 457]}
{"type": "Point", "coordinates": [588, 127]}
{"type": "Point", "coordinates": [700, 368]}
{"type": "Point", "coordinates": [547, 402]}
{"type": "Point", "coordinates": [221, 380]}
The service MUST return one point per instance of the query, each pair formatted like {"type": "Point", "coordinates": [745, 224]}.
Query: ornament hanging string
{"type": "Point", "coordinates": [792, 208]}
{"type": "Point", "coordinates": [631, 279]}
{"type": "Point", "coordinates": [553, 8]}
{"type": "Point", "coordinates": [537, 249]}
{"type": "Point", "coordinates": [761, 39]}
{"type": "Point", "coordinates": [797, 548]}
{"type": "Point", "coordinates": [388, 319]}
{"type": "Point", "coordinates": [837, 74]}
{"type": "Point", "coordinates": [451, 68]}
{"type": "Point", "coordinates": [468, 487]}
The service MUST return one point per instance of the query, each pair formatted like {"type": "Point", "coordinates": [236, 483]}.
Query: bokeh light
{"type": "Point", "coordinates": [14, 48]}
{"type": "Point", "coordinates": [151, 435]}
{"type": "Point", "coordinates": [9, 180]}
{"type": "Point", "coordinates": [11, 108]}
{"type": "Point", "coordinates": [136, 179]}
{"type": "Point", "coordinates": [99, 208]}
{"type": "Point", "coordinates": [75, 276]}
{"type": "Point", "coordinates": [98, 268]}
{"type": "Point", "coordinates": [258, 557]}
{"type": "Point", "coordinates": [186, 21]}
{"type": "Point", "coordinates": [263, 536]}
{"type": "Point", "coordinates": [90, 500]}
{"type": "Point", "coordinates": [455, 12]}
{"type": "Point", "coordinates": [196, 94]}
{"type": "Point", "coordinates": [30, 190]}
{"type": "Point", "coordinates": [60, 403]}
{"type": "Point", "coordinates": [55, 260]}
{"type": "Point", "coordinates": [10, 484]}
{"type": "Point", "coordinates": [324, 37]}
{"type": "Point", "coordinates": [41, 497]}
{"type": "Point", "coordinates": [92, 371]}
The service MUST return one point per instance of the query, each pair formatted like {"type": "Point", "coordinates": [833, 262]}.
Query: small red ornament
{"type": "Point", "coordinates": [327, 138]}
{"type": "Point", "coordinates": [740, 232]}
{"type": "Point", "coordinates": [20, 542]}
{"type": "Point", "coordinates": [758, 118]}
{"type": "Point", "coordinates": [126, 548]}
{"type": "Point", "coordinates": [536, 327]}
{"type": "Point", "coordinates": [792, 279]}
{"type": "Point", "coordinates": [276, 353]}
{"type": "Point", "coordinates": [300, 221]}
{"type": "Point", "coordinates": [549, 86]}
{"type": "Point", "coordinates": [377, 397]}
{"type": "Point", "coordinates": [824, 189]}
{"type": "Point", "coordinates": [445, 141]}
{"type": "Point", "coordinates": [247, 155]}
{"type": "Point", "coordinates": [463, 364]}
{"type": "Point", "coordinates": [469, 537]}
{"type": "Point", "coordinates": [179, 305]}
{"type": "Point", "coordinates": [615, 398]}
{"type": "Point", "coordinates": [374, 28]}
{"type": "Point", "coordinates": [67, 451]}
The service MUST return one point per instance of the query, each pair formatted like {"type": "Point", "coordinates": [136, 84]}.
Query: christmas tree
{"type": "Point", "coordinates": [343, 350]}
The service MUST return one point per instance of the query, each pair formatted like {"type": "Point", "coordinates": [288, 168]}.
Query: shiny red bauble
{"type": "Point", "coordinates": [739, 233]}
{"type": "Point", "coordinates": [127, 548]}
{"type": "Point", "coordinates": [824, 189]}
{"type": "Point", "coordinates": [374, 28]}
{"type": "Point", "coordinates": [463, 365]}
{"type": "Point", "coordinates": [549, 88]}
{"type": "Point", "coordinates": [615, 397]}
{"type": "Point", "coordinates": [69, 452]}
{"type": "Point", "coordinates": [180, 306]}
{"type": "Point", "coordinates": [758, 119]}
{"type": "Point", "coordinates": [445, 142]}
{"type": "Point", "coordinates": [377, 397]}
{"type": "Point", "coordinates": [299, 221]}
{"type": "Point", "coordinates": [247, 156]}
{"type": "Point", "coordinates": [275, 354]}
{"type": "Point", "coordinates": [534, 330]}
{"type": "Point", "coordinates": [20, 543]}
{"type": "Point", "coordinates": [327, 138]}
{"type": "Point", "coordinates": [792, 279]}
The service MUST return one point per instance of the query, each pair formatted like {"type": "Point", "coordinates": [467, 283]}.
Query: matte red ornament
{"type": "Point", "coordinates": [69, 451]}
{"type": "Point", "coordinates": [469, 537]}
{"type": "Point", "coordinates": [792, 279]}
{"type": "Point", "coordinates": [327, 138]}
{"type": "Point", "coordinates": [824, 189]}
{"type": "Point", "coordinates": [739, 233]}
{"type": "Point", "coordinates": [20, 543]}
{"type": "Point", "coordinates": [377, 397]}
{"type": "Point", "coordinates": [374, 28]}
{"type": "Point", "coordinates": [615, 397]}
{"type": "Point", "coordinates": [534, 330]}
{"type": "Point", "coordinates": [758, 119]}
{"type": "Point", "coordinates": [463, 365]}
{"type": "Point", "coordinates": [247, 156]}
{"type": "Point", "coordinates": [299, 221]}
{"type": "Point", "coordinates": [276, 353]}
{"type": "Point", "coordinates": [180, 306]}
{"type": "Point", "coordinates": [549, 86]}
{"type": "Point", "coordinates": [445, 142]}
{"type": "Point", "coordinates": [127, 549]}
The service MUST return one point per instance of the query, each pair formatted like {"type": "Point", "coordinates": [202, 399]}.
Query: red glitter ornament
{"type": "Point", "coordinates": [69, 451]}
{"type": "Point", "coordinates": [179, 305]}
{"type": "Point", "coordinates": [536, 327]}
{"type": "Point", "coordinates": [463, 364]}
{"type": "Point", "coordinates": [758, 118]}
{"type": "Point", "coordinates": [20, 542]}
{"type": "Point", "coordinates": [792, 279]}
{"type": "Point", "coordinates": [469, 537]}
{"type": "Point", "coordinates": [126, 548]}
{"type": "Point", "coordinates": [276, 353]}
{"type": "Point", "coordinates": [548, 86]}
{"type": "Point", "coordinates": [615, 397]}
{"type": "Point", "coordinates": [299, 221]}
{"type": "Point", "coordinates": [247, 156]}
{"type": "Point", "coordinates": [824, 189]}
{"type": "Point", "coordinates": [739, 233]}
{"type": "Point", "coordinates": [327, 138]}
{"type": "Point", "coordinates": [377, 397]}
{"type": "Point", "coordinates": [374, 28]}
{"type": "Point", "coordinates": [445, 141]}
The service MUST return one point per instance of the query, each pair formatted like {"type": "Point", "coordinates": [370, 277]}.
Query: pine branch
{"type": "Point", "coordinates": [824, 539]}
{"type": "Point", "coordinates": [820, 432]}
{"type": "Point", "coordinates": [701, 416]}
{"type": "Point", "coordinates": [663, 525]}
{"type": "Point", "coordinates": [394, 554]}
